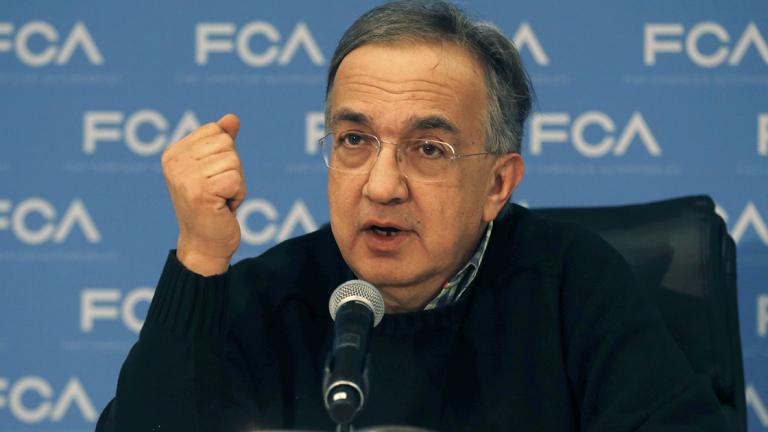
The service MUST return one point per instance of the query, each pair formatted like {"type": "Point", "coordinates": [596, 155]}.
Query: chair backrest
{"type": "Point", "coordinates": [680, 250]}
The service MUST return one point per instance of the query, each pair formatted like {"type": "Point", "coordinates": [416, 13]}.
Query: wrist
{"type": "Point", "coordinates": [201, 263]}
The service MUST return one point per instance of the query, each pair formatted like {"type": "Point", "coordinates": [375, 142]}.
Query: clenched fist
{"type": "Point", "coordinates": [205, 180]}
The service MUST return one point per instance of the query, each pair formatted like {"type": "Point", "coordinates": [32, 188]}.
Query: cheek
{"type": "Point", "coordinates": [437, 212]}
{"type": "Point", "coordinates": [335, 198]}
{"type": "Point", "coordinates": [344, 193]}
{"type": "Point", "coordinates": [451, 211]}
{"type": "Point", "coordinates": [449, 204]}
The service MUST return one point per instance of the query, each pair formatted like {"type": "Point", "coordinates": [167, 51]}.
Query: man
{"type": "Point", "coordinates": [496, 319]}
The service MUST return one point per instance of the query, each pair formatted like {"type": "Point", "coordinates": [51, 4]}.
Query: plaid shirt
{"type": "Point", "coordinates": [457, 286]}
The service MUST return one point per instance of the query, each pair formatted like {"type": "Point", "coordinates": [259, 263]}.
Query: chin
{"type": "Point", "coordinates": [381, 275]}
{"type": "Point", "coordinates": [391, 276]}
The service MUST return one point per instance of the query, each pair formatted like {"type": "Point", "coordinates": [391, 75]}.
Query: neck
{"type": "Point", "coordinates": [398, 299]}
{"type": "Point", "coordinates": [416, 296]}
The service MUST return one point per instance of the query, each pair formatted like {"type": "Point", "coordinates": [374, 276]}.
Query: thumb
{"type": "Point", "coordinates": [230, 123]}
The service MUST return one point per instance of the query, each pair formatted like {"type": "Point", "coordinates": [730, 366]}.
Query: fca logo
{"type": "Point", "coordinates": [105, 126]}
{"type": "Point", "coordinates": [560, 127]}
{"type": "Point", "coordinates": [32, 399]}
{"type": "Point", "coordinates": [110, 304]}
{"type": "Point", "coordinates": [55, 50]}
{"type": "Point", "coordinates": [53, 228]}
{"type": "Point", "coordinates": [667, 38]}
{"type": "Point", "coordinates": [225, 38]}
{"type": "Point", "coordinates": [275, 229]}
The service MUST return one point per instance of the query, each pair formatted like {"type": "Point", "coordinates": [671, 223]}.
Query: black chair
{"type": "Point", "coordinates": [681, 251]}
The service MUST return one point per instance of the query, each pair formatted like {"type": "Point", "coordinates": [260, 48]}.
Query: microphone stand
{"type": "Point", "coordinates": [345, 380]}
{"type": "Point", "coordinates": [356, 308]}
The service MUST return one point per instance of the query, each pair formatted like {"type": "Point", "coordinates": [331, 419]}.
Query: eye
{"type": "Point", "coordinates": [351, 139]}
{"type": "Point", "coordinates": [430, 150]}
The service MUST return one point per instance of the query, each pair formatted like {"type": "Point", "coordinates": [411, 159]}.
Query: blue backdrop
{"type": "Point", "coordinates": [637, 101]}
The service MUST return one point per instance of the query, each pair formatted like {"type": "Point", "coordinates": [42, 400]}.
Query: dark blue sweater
{"type": "Point", "coordinates": [552, 336]}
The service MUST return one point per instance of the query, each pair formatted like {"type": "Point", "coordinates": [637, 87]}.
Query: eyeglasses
{"type": "Point", "coordinates": [419, 159]}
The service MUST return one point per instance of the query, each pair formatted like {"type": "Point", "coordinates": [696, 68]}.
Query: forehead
{"type": "Point", "coordinates": [393, 83]}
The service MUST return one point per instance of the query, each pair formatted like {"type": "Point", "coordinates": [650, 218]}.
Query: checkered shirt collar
{"type": "Point", "coordinates": [458, 285]}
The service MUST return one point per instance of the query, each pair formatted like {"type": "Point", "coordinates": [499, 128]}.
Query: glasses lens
{"type": "Point", "coordinates": [425, 160]}
{"type": "Point", "coordinates": [349, 151]}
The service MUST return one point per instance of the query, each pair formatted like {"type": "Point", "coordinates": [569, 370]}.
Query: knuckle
{"type": "Point", "coordinates": [195, 194]}
{"type": "Point", "coordinates": [233, 159]}
{"type": "Point", "coordinates": [229, 179]}
{"type": "Point", "coordinates": [237, 178]}
{"type": "Point", "coordinates": [167, 156]}
{"type": "Point", "coordinates": [226, 141]}
{"type": "Point", "coordinates": [211, 127]}
{"type": "Point", "coordinates": [168, 169]}
{"type": "Point", "coordinates": [171, 166]}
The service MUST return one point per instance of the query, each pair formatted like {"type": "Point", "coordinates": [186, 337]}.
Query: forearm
{"type": "Point", "coordinates": [178, 355]}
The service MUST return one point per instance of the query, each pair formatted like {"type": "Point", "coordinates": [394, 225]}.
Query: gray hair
{"type": "Point", "coordinates": [509, 89]}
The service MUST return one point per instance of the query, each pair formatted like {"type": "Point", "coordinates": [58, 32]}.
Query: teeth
{"type": "Point", "coordinates": [385, 231]}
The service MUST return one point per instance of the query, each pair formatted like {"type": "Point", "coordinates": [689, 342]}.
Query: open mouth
{"type": "Point", "coordinates": [384, 231]}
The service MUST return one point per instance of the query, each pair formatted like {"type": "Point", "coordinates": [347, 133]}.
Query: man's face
{"type": "Point", "coordinates": [411, 90]}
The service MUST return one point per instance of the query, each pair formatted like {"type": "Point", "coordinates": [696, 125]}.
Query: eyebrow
{"type": "Point", "coordinates": [348, 115]}
{"type": "Point", "coordinates": [416, 123]}
{"type": "Point", "coordinates": [433, 122]}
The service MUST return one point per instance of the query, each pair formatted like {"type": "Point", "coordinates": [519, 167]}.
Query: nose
{"type": "Point", "coordinates": [386, 184]}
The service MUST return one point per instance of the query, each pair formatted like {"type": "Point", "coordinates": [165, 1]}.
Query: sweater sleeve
{"type": "Point", "coordinates": [178, 376]}
{"type": "Point", "coordinates": [626, 370]}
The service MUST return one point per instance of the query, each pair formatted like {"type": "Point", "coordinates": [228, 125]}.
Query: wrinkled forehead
{"type": "Point", "coordinates": [445, 48]}
{"type": "Point", "coordinates": [432, 83]}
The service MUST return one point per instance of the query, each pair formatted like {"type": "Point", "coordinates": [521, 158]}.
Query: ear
{"type": "Point", "coordinates": [507, 172]}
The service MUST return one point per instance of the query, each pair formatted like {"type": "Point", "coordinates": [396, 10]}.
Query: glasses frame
{"type": "Point", "coordinates": [379, 144]}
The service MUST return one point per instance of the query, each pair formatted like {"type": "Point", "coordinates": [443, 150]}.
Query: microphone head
{"type": "Point", "coordinates": [361, 292]}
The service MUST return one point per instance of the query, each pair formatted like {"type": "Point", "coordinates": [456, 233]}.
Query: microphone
{"type": "Point", "coordinates": [356, 307]}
